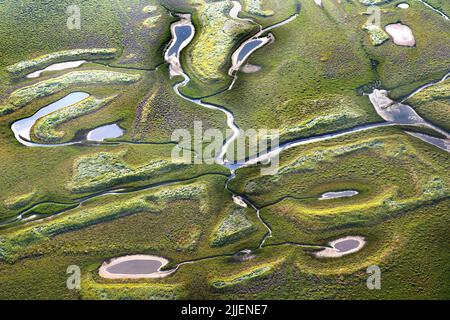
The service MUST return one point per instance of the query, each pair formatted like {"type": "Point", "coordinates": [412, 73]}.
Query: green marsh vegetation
{"type": "Point", "coordinates": [403, 69]}
{"type": "Point", "coordinates": [433, 104]}
{"type": "Point", "coordinates": [314, 82]}
{"type": "Point", "coordinates": [376, 164]}
{"type": "Point", "coordinates": [307, 85]}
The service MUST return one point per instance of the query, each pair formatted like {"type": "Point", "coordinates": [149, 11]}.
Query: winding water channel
{"type": "Point", "coordinates": [183, 31]}
{"type": "Point", "coordinates": [435, 10]}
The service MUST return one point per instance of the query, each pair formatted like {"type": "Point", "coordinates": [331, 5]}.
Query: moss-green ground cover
{"type": "Point", "coordinates": [433, 104]}
{"type": "Point", "coordinates": [45, 128]}
{"type": "Point", "coordinates": [315, 80]}
{"type": "Point", "coordinates": [307, 85]}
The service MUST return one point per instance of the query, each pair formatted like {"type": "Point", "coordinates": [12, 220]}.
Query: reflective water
{"type": "Point", "coordinates": [182, 33]}
{"type": "Point", "coordinates": [109, 131]}
{"type": "Point", "coordinates": [135, 267]}
{"type": "Point", "coordinates": [338, 194]}
{"type": "Point", "coordinates": [22, 127]}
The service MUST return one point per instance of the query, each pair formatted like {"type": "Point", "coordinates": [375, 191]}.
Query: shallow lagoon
{"type": "Point", "coordinates": [22, 127]}
{"type": "Point", "coordinates": [109, 131]}
{"type": "Point", "coordinates": [338, 194]}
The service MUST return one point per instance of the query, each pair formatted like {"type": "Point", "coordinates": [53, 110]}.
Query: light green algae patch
{"type": "Point", "coordinates": [243, 277]}
{"type": "Point", "coordinates": [92, 290]}
{"type": "Point", "coordinates": [372, 2]}
{"type": "Point", "coordinates": [376, 34]}
{"type": "Point", "coordinates": [19, 201]}
{"type": "Point", "coordinates": [347, 116]}
{"type": "Point", "coordinates": [433, 103]}
{"type": "Point", "coordinates": [151, 22]}
{"type": "Point", "coordinates": [103, 170]}
{"type": "Point", "coordinates": [67, 55]}
{"type": "Point", "coordinates": [255, 7]}
{"type": "Point", "coordinates": [149, 9]}
{"type": "Point", "coordinates": [217, 36]}
{"type": "Point", "coordinates": [181, 193]}
{"type": "Point", "coordinates": [234, 227]}
{"type": "Point", "coordinates": [313, 159]}
{"type": "Point", "coordinates": [45, 127]}
{"type": "Point", "coordinates": [435, 92]}
{"type": "Point", "coordinates": [23, 96]}
{"type": "Point", "coordinates": [14, 243]}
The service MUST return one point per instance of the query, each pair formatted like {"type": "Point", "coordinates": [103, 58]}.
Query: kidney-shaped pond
{"type": "Point", "coordinates": [109, 131]}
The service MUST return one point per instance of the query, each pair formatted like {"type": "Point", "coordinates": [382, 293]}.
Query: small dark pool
{"type": "Point", "coordinates": [135, 267]}
{"type": "Point", "coordinates": [105, 132]}
{"type": "Point", "coordinates": [182, 34]}
{"type": "Point", "coordinates": [347, 245]}
{"type": "Point", "coordinates": [248, 48]}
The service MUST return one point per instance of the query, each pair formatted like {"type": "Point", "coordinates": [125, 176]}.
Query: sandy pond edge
{"type": "Point", "coordinates": [104, 273]}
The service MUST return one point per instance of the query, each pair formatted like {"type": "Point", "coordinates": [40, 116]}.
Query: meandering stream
{"type": "Point", "coordinates": [183, 32]}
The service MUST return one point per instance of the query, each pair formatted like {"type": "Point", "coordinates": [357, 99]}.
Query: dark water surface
{"type": "Point", "coordinates": [182, 33]}
{"type": "Point", "coordinates": [248, 48]}
{"type": "Point", "coordinates": [347, 245]}
{"type": "Point", "coordinates": [135, 267]}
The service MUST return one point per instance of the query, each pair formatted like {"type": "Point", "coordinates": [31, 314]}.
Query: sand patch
{"type": "Point", "coordinates": [401, 34]}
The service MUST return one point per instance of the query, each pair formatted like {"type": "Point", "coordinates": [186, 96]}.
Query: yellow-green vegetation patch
{"type": "Point", "coordinates": [151, 22]}
{"type": "Point", "coordinates": [327, 117]}
{"type": "Point", "coordinates": [23, 96]}
{"type": "Point", "coordinates": [395, 178]}
{"type": "Point", "coordinates": [19, 201]}
{"type": "Point", "coordinates": [392, 173]}
{"type": "Point", "coordinates": [233, 228]}
{"type": "Point", "coordinates": [217, 36]}
{"type": "Point", "coordinates": [371, 2]}
{"type": "Point", "coordinates": [16, 242]}
{"type": "Point", "coordinates": [312, 78]}
{"type": "Point", "coordinates": [188, 192]}
{"type": "Point", "coordinates": [92, 290]}
{"type": "Point", "coordinates": [256, 7]}
{"type": "Point", "coordinates": [377, 35]}
{"type": "Point", "coordinates": [105, 169]}
{"type": "Point", "coordinates": [155, 16]}
{"type": "Point", "coordinates": [54, 57]}
{"type": "Point", "coordinates": [45, 127]}
{"type": "Point", "coordinates": [433, 103]}
{"type": "Point", "coordinates": [189, 238]}
{"type": "Point", "coordinates": [49, 208]}
{"type": "Point", "coordinates": [241, 278]}
{"type": "Point", "coordinates": [312, 160]}
{"type": "Point", "coordinates": [149, 9]}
